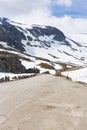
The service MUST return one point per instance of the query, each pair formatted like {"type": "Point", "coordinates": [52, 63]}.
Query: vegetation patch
{"type": "Point", "coordinates": [8, 78]}
{"type": "Point", "coordinates": [5, 79]}
{"type": "Point", "coordinates": [46, 66]}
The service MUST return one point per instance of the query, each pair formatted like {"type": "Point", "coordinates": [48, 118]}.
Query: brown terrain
{"type": "Point", "coordinates": [44, 102]}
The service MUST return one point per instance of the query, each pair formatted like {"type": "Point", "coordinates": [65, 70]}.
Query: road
{"type": "Point", "coordinates": [44, 102]}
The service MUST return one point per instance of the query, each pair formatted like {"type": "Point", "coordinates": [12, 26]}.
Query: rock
{"type": "Point", "coordinates": [58, 73]}
{"type": "Point", "coordinates": [32, 70]}
{"type": "Point", "coordinates": [11, 63]}
{"type": "Point", "coordinates": [46, 72]}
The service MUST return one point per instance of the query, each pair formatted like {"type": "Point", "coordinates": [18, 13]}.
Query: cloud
{"type": "Point", "coordinates": [34, 17]}
{"type": "Point", "coordinates": [41, 12]}
{"type": "Point", "coordinates": [18, 7]}
{"type": "Point", "coordinates": [66, 24]}
{"type": "Point", "coordinates": [64, 2]}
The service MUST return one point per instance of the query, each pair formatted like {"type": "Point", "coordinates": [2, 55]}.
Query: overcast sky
{"type": "Point", "coordinates": [67, 15]}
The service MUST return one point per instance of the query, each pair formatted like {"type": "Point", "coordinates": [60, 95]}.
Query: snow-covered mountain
{"type": "Point", "coordinates": [79, 37]}
{"type": "Point", "coordinates": [40, 44]}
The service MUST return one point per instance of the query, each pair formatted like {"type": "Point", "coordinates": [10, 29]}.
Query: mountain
{"type": "Point", "coordinates": [42, 45]}
{"type": "Point", "coordinates": [79, 37]}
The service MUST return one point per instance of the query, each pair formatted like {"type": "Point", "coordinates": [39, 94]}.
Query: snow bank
{"type": "Point", "coordinates": [77, 75]}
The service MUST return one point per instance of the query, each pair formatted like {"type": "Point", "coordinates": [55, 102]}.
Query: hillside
{"type": "Point", "coordinates": [38, 48]}
{"type": "Point", "coordinates": [41, 41]}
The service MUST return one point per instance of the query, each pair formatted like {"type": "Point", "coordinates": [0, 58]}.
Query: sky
{"type": "Point", "coordinates": [70, 16]}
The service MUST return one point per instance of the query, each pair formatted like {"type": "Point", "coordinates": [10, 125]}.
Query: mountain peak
{"type": "Point", "coordinates": [3, 19]}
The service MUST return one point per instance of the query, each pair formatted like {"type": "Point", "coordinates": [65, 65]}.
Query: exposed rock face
{"type": "Point", "coordinates": [11, 35]}
{"type": "Point", "coordinates": [48, 31]}
{"type": "Point", "coordinates": [11, 63]}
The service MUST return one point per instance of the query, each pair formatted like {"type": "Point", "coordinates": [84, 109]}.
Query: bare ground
{"type": "Point", "coordinates": [43, 102]}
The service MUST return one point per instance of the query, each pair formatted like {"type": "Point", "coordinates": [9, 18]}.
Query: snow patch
{"type": "Point", "coordinates": [77, 75]}
{"type": "Point", "coordinates": [0, 22]}
{"type": "Point", "coordinates": [27, 64]}
{"type": "Point", "coordinates": [81, 38]}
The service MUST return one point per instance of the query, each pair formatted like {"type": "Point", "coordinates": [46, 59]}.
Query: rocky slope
{"type": "Point", "coordinates": [10, 63]}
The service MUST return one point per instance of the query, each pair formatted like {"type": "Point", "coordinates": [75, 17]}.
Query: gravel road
{"type": "Point", "coordinates": [44, 102]}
